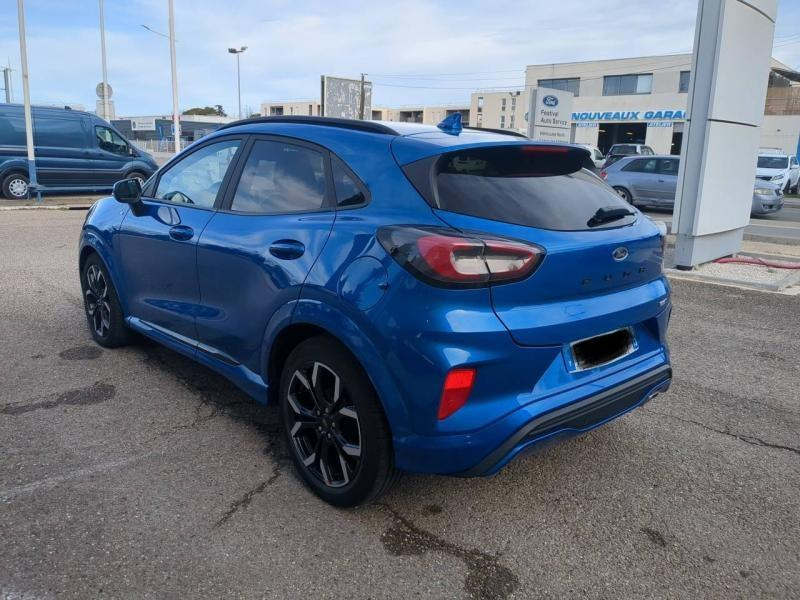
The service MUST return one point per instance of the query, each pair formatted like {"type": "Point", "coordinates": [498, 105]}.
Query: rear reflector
{"type": "Point", "coordinates": [457, 388]}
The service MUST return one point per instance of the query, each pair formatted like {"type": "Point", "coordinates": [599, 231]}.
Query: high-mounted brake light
{"type": "Point", "coordinates": [547, 149]}
{"type": "Point", "coordinates": [457, 388]}
{"type": "Point", "coordinates": [448, 258]}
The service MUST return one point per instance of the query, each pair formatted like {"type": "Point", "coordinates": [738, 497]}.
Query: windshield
{"type": "Point", "coordinates": [773, 162]}
{"type": "Point", "coordinates": [524, 186]}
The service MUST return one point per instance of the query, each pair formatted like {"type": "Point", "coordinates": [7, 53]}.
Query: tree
{"type": "Point", "coordinates": [215, 110]}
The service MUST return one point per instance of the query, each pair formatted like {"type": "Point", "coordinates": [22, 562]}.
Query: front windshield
{"type": "Point", "coordinates": [773, 162]}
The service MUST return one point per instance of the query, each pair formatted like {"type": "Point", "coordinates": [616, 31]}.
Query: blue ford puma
{"type": "Point", "coordinates": [413, 298]}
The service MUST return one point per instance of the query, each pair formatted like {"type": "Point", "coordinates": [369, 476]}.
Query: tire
{"type": "Point", "coordinates": [15, 186]}
{"type": "Point", "coordinates": [103, 311]}
{"type": "Point", "coordinates": [341, 444]}
{"type": "Point", "coordinates": [137, 175]}
{"type": "Point", "coordinates": [624, 194]}
{"type": "Point", "coordinates": [788, 187]}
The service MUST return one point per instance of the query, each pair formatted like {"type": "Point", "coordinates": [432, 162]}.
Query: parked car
{"type": "Point", "coordinates": [644, 180]}
{"type": "Point", "coordinates": [630, 150]}
{"type": "Point", "coordinates": [75, 151]}
{"type": "Point", "coordinates": [596, 156]}
{"type": "Point", "coordinates": [779, 168]}
{"type": "Point", "coordinates": [653, 181]}
{"type": "Point", "coordinates": [412, 299]}
{"type": "Point", "coordinates": [617, 151]}
{"type": "Point", "coordinates": [767, 197]}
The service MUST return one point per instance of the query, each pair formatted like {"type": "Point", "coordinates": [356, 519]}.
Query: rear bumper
{"type": "Point", "coordinates": [576, 418]}
{"type": "Point", "coordinates": [562, 413]}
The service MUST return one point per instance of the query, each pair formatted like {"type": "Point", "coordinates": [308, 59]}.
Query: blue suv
{"type": "Point", "coordinates": [413, 298]}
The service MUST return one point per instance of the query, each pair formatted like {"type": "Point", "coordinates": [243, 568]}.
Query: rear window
{"type": "Point", "coordinates": [524, 185]}
{"type": "Point", "coordinates": [623, 149]}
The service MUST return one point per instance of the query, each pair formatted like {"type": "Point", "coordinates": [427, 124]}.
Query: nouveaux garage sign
{"type": "Point", "coordinates": [631, 115]}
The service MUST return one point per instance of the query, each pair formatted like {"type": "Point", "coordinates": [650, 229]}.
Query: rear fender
{"type": "Point", "coordinates": [334, 319]}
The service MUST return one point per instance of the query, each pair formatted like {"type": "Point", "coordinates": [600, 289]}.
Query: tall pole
{"type": "Point", "coordinates": [7, 83]}
{"type": "Point", "coordinates": [176, 118]}
{"type": "Point", "coordinates": [239, 83]}
{"type": "Point", "coordinates": [106, 113]}
{"type": "Point", "coordinates": [361, 101]}
{"type": "Point", "coordinates": [23, 54]}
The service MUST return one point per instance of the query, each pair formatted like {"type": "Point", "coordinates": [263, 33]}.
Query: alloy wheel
{"type": "Point", "coordinates": [324, 426]}
{"type": "Point", "coordinates": [98, 306]}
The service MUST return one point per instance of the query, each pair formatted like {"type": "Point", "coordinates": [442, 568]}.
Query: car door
{"type": "Point", "coordinates": [60, 142]}
{"type": "Point", "coordinates": [641, 175]}
{"type": "Point", "coordinates": [667, 181]}
{"type": "Point", "coordinates": [109, 153]}
{"type": "Point", "coordinates": [256, 252]}
{"type": "Point", "coordinates": [158, 238]}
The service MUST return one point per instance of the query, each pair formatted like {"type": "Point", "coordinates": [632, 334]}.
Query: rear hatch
{"type": "Point", "coordinates": [602, 268]}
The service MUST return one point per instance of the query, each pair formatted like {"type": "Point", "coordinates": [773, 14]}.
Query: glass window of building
{"type": "Point", "coordinates": [683, 85]}
{"type": "Point", "coordinates": [621, 85]}
{"type": "Point", "coordinates": [568, 84]}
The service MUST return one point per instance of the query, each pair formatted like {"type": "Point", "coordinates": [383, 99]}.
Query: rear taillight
{"type": "Point", "coordinates": [457, 388]}
{"type": "Point", "coordinates": [603, 174]}
{"type": "Point", "coordinates": [449, 258]}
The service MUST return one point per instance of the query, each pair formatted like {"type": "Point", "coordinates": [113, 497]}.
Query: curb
{"type": "Point", "coordinates": [49, 207]}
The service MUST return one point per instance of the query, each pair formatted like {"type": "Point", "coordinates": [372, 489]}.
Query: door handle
{"type": "Point", "coordinates": [660, 181]}
{"type": "Point", "coordinates": [181, 233]}
{"type": "Point", "coordinates": [287, 249]}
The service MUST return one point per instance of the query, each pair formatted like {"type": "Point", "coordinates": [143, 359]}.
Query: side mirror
{"type": "Point", "coordinates": [128, 191]}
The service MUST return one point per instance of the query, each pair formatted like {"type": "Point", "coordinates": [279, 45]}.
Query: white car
{"type": "Point", "coordinates": [780, 169]}
{"type": "Point", "coordinates": [597, 157]}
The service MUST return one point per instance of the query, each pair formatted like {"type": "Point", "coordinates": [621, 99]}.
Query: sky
{"type": "Point", "coordinates": [415, 51]}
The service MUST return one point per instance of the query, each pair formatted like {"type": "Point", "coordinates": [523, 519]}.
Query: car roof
{"type": "Point", "coordinates": [408, 141]}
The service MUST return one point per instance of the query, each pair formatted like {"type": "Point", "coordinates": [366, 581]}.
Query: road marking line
{"type": "Point", "coordinates": [51, 482]}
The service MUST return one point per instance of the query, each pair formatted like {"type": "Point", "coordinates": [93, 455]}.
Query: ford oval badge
{"type": "Point", "coordinates": [550, 101]}
{"type": "Point", "coordinates": [620, 253]}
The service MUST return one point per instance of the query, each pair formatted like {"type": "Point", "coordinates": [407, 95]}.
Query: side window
{"type": "Point", "coordinates": [197, 178]}
{"type": "Point", "coordinates": [647, 150]}
{"type": "Point", "coordinates": [110, 141]}
{"type": "Point", "coordinates": [348, 192]}
{"type": "Point", "coordinates": [668, 166]}
{"type": "Point", "coordinates": [642, 165]}
{"type": "Point", "coordinates": [793, 161]}
{"type": "Point", "coordinates": [281, 178]}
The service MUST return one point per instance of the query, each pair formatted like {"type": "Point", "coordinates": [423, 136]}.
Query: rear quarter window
{"type": "Point", "coordinates": [522, 186]}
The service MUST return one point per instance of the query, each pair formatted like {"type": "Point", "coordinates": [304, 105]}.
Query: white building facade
{"type": "Point", "coordinates": [637, 100]}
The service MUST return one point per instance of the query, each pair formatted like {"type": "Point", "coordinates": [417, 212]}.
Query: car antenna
{"type": "Point", "coordinates": [451, 124]}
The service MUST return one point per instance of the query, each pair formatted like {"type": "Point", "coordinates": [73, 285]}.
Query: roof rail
{"type": "Point", "coordinates": [355, 124]}
{"type": "Point", "coordinates": [500, 131]}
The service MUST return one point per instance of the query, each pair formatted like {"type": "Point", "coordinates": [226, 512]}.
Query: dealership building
{"type": "Point", "coordinates": [636, 100]}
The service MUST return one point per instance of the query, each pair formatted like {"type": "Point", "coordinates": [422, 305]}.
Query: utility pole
{"type": "Point", "coordinates": [361, 99]}
{"type": "Point", "coordinates": [7, 83]}
{"type": "Point", "coordinates": [26, 95]}
{"type": "Point", "coordinates": [176, 118]}
{"type": "Point", "coordinates": [106, 113]}
{"type": "Point", "coordinates": [238, 74]}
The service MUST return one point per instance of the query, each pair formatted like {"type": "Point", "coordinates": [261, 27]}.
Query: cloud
{"type": "Point", "coordinates": [409, 49]}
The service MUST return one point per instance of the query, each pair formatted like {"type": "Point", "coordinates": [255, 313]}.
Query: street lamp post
{"type": "Point", "coordinates": [176, 118]}
{"type": "Point", "coordinates": [106, 114]}
{"type": "Point", "coordinates": [26, 99]}
{"type": "Point", "coordinates": [238, 74]}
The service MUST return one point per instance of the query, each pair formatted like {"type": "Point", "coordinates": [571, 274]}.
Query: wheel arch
{"type": "Point", "coordinates": [93, 245]}
{"type": "Point", "coordinates": [312, 318]}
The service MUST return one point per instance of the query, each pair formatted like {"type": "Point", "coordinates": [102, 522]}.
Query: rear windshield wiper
{"type": "Point", "coordinates": [608, 214]}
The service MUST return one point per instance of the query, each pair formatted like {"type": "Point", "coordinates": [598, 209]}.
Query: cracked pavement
{"type": "Point", "coordinates": [136, 473]}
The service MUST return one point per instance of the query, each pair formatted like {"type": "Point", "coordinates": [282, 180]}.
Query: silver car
{"type": "Point", "coordinates": [653, 180]}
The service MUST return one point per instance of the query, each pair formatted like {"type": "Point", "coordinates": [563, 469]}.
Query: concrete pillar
{"type": "Point", "coordinates": [727, 90]}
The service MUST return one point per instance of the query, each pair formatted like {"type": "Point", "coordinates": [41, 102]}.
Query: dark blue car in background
{"type": "Point", "coordinates": [413, 299]}
{"type": "Point", "coordinates": [75, 151]}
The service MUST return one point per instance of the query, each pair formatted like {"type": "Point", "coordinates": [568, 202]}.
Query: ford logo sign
{"type": "Point", "coordinates": [550, 101]}
{"type": "Point", "coordinates": [620, 253]}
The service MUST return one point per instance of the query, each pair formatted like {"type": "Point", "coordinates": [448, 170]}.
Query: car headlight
{"type": "Point", "coordinates": [777, 177]}
{"type": "Point", "coordinates": [763, 192]}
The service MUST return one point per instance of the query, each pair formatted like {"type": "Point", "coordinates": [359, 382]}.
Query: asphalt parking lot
{"type": "Point", "coordinates": [136, 473]}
